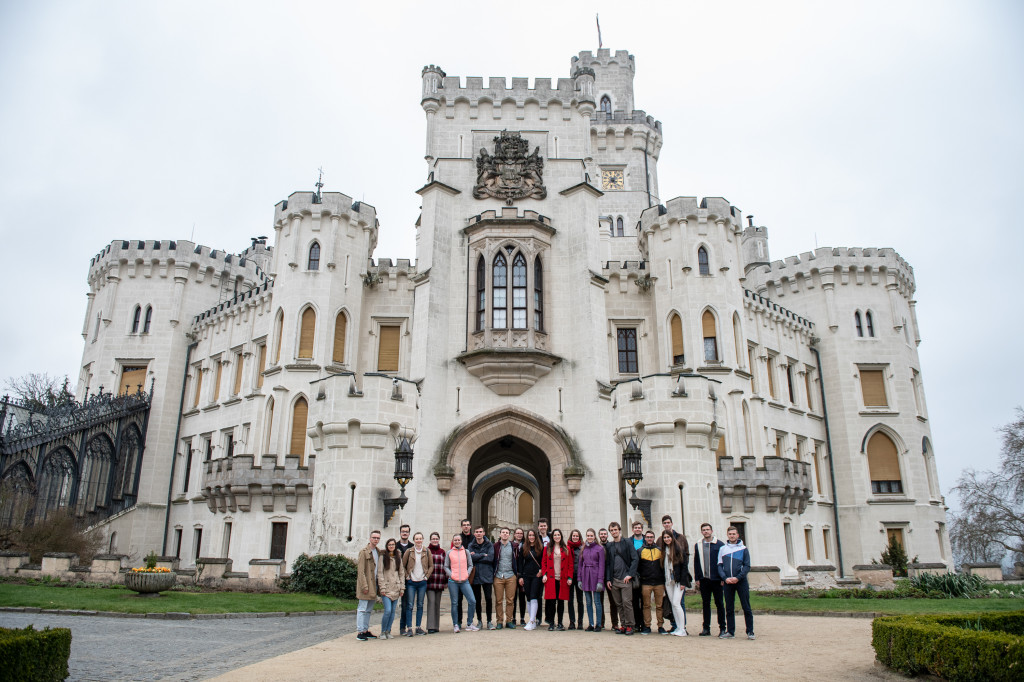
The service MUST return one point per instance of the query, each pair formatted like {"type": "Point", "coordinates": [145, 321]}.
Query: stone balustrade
{"type": "Point", "coordinates": [784, 484]}
{"type": "Point", "coordinates": [233, 484]}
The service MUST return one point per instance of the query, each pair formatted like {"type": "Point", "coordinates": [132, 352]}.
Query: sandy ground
{"type": "Point", "coordinates": [787, 648]}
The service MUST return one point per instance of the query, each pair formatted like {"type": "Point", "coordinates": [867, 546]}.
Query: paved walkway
{"type": "Point", "coordinates": [143, 649]}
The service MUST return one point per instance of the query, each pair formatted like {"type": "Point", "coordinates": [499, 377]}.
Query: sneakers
{"type": "Point", "coordinates": [590, 628]}
{"type": "Point", "coordinates": [499, 626]}
{"type": "Point", "coordinates": [726, 635]}
{"type": "Point", "coordinates": [598, 628]}
{"type": "Point", "coordinates": [455, 629]}
{"type": "Point", "coordinates": [361, 636]}
{"type": "Point", "coordinates": [751, 635]}
{"type": "Point", "coordinates": [705, 633]}
{"type": "Point", "coordinates": [629, 631]}
{"type": "Point", "coordinates": [522, 621]}
{"type": "Point", "coordinates": [511, 625]}
{"type": "Point", "coordinates": [532, 625]}
{"type": "Point", "coordinates": [662, 631]}
{"type": "Point", "coordinates": [560, 628]}
{"type": "Point", "coordinates": [491, 626]}
{"type": "Point", "coordinates": [679, 632]}
{"type": "Point", "coordinates": [409, 632]}
{"type": "Point", "coordinates": [472, 628]}
{"type": "Point", "coordinates": [370, 635]}
{"type": "Point", "coordinates": [572, 626]}
{"type": "Point", "coordinates": [645, 631]}
{"type": "Point", "coordinates": [385, 635]}
{"type": "Point", "coordinates": [420, 631]}
{"type": "Point", "coordinates": [551, 628]}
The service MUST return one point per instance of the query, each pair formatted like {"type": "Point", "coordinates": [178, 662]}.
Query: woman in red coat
{"type": "Point", "coordinates": [557, 571]}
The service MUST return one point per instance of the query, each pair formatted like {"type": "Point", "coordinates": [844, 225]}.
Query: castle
{"type": "Point", "coordinates": [566, 344]}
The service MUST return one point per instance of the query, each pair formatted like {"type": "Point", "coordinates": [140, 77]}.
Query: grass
{"type": "Point", "coordinates": [120, 599]}
{"type": "Point", "coordinates": [881, 606]}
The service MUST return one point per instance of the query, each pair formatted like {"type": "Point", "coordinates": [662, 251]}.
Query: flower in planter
{"type": "Point", "coordinates": [157, 569]}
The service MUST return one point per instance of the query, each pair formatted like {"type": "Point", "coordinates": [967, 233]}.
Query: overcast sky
{"type": "Point", "coordinates": [896, 124]}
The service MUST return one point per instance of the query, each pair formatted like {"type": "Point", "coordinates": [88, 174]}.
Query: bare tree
{"type": "Point", "coordinates": [39, 390]}
{"type": "Point", "coordinates": [991, 518]}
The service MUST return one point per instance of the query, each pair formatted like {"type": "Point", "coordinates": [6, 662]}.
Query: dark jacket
{"type": "Point", "coordinates": [530, 564]}
{"type": "Point", "coordinates": [698, 565]}
{"type": "Point", "coordinates": [621, 560]}
{"type": "Point", "coordinates": [512, 547]}
{"type": "Point", "coordinates": [651, 566]}
{"type": "Point", "coordinates": [734, 561]}
{"type": "Point", "coordinates": [402, 549]}
{"type": "Point", "coordinates": [681, 574]}
{"type": "Point", "coordinates": [483, 561]}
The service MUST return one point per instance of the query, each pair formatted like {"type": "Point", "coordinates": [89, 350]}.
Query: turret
{"type": "Point", "coordinates": [754, 246]}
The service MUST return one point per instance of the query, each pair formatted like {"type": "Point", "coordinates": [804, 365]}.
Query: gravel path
{"type": "Point", "coordinates": [144, 649]}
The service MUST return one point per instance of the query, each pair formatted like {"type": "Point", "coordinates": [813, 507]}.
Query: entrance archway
{"type": "Point", "coordinates": [503, 449]}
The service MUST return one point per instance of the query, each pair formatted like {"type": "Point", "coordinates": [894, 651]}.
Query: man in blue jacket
{"type": "Point", "coordinates": [733, 566]}
{"type": "Point", "coordinates": [705, 571]}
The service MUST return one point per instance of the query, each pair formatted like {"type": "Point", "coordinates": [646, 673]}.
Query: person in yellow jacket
{"type": "Point", "coordinates": [651, 571]}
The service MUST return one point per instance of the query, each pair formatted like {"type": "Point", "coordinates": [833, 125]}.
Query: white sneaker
{"type": "Point", "coordinates": [472, 628]}
{"type": "Point", "coordinates": [530, 626]}
{"type": "Point", "coordinates": [455, 629]}
{"type": "Point", "coordinates": [679, 633]}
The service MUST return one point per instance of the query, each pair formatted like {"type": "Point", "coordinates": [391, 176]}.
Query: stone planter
{"type": "Point", "coordinates": [149, 584]}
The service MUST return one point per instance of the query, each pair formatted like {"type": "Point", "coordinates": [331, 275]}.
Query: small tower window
{"type": "Point", "coordinates": [481, 294]}
{"type": "Point", "coordinates": [870, 323]}
{"type": "Point", "coordinates": [148, 319]}
{"type": "Point", "coordinates": [135, 319]}
{"type": "Point", "coordinates": [606, 104]}
{"type": "Point", "coordinates": [858, 323]}
{"type": "Point", "coordinates": [707, 321]}
{"type": "Point", "coordinates": [702, 261]}
{"type": "Point", "coordinates": [314, 256]}
{"type": "Point", "coordinates": [538, 295]}
{"type": "Point", "coordinates": [618, 227]}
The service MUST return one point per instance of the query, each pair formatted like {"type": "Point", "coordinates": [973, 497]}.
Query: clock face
{"type": "Point", "coordinates": [611, 179]}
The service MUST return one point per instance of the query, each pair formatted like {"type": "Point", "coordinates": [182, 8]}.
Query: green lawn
{"type": "Point", "coordinates": [887, 606]}
{"type": "Point", "coordinates": [124, 601]}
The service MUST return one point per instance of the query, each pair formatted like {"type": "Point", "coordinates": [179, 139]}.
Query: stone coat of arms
{"type": "Point", "coordinates": [510, 174]}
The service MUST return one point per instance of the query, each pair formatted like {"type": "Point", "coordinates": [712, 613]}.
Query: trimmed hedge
{"type": "Point", "coordinates": [974, 646]}
{"type": "Point", "coordinates": [330, 574]}
{"type": "Point", "coordinates": [31, 655]}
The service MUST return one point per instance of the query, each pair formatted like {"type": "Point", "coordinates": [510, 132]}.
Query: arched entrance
{"type": "Point", "coordinates": [509, 449]}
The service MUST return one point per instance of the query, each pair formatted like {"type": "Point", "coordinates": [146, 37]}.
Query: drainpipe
{"type": "Point", "coordinates": [469, 268]}
{"type": "Point", "coordinates": [174, 448]}
{"type": "Point", "coordinates": [831, 465]}
{"type": "Point", "coordinates": [647, 177]}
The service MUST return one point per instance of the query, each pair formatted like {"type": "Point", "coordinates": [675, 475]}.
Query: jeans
{"type": "Point", "coordinates": [389, 614]}
{"type": "Point", "coordinates": [708, 589]}
{"type": "Point", "coordinates": [486, 589]}
{"type": "Point", "coordinates": [595, 609]}
{"type": "Point", "coordinates": [458, 590]}
{"type": "Point", "coordinates": [743, 589]}
{"type": "Point", "coordinates": [404, 622]}
{"type": "Point", "coordinates": [415, 591]}
{"type": "Point", "coordinates": [363, 614]}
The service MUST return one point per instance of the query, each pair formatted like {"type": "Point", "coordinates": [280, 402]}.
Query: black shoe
{"type": "Point", "coordinates": [430, 632]}
{"type": "Point", "coordinates": [560, 628]}
{"type": "Point", "coordinates": [620, 631]}
{"type": "Point", "coordinates": [629, 631]}
{"type": "Point", "coordinates": [662, 631]}
{"type": "Point", "coordinates": [705, 633]}
{"type": "Point", "coordinates": [572, 626]}
{"type": "Point", "coordinates": [361, 636]}
{"type": "Point", "coordinates": [598, 628]}
{"type": "Point", "coordinates": [370, 635]}
{"type": "Point", "coordinates": [645, 631]}
{"type": "Point", "coordinates": [522, 621]}
{"type": "Point", "coordinates": [590, 628]}
{"type": "Point", "coordinates": [551, 628]}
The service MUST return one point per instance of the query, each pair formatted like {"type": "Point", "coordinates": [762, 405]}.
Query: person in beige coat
{"type": "Point", "coordinates": [366, 586]}
{"type": "Point", "coordinates": [390, 584]}
{"type": "Point", "coordinates": [419, 565]}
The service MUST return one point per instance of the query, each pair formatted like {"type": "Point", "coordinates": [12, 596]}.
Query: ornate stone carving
{"type": "Point", "coordinates": [510, 173]}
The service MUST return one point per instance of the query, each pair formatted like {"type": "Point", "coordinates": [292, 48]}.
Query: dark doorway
{"type": "Point", "coordinates": [278, 540]}
{"type": "Point", "coordinates": [504, 468]}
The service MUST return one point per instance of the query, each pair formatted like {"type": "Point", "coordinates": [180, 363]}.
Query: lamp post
{"type": "Point", "coordinates": [632, 473]}
{"type": "Point", "coordinates": [403, 474]}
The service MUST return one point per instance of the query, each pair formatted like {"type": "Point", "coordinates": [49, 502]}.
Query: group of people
{"type": "Point", "coordinates": [523, 569]}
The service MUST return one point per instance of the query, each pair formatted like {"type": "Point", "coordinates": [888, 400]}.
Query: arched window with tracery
{"type": "Point", "coordinates": [481, 294]}
{"type": "Point", "coordinates": [858, 324]}
{"type": "Point", "coordinates": [538, 295]}
{"type": "Point", "coordinates": [519, 292]}
{"type": "Point", "coordinates": [147, 320]}
{"type": "Point", "coordinates": [94, 475]}
{"type": "Point", "coordinates": [703, 266]}
{"type": "Point", "coordinates": [884, 465]}
{"type": "Point", "coordinates": [606, 104]}
{"type": "Point", "coordinates": [870, 323]}
{"type": "Point", "coordinates": [128, 457]}
{"type": "Point", "coordinates": [499, 292]}
{"type": "Point", "coordinates": [17, 491]}
{"type": "Point", "coordinates": [314, 256]}
{"type": "Point", "coordinates": [56, 483]}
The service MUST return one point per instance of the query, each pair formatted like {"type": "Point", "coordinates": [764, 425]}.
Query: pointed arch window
{"type": "Point", "coordinates": [606, 104]}
{"type": "Point", "coordinates": [519, 292]}
{"type": "Point", "coordinates": [481, 294]}
{"type": "Point", "coordinates": [703, 266]}
{"type": "Point", "coordinates": [147, 320]}
{"type": "Point", "coordinates": [340, 330]}
{"type": "Point", "coordinates": [94, 477]}
{"type": "Point", "coordinates": [314, 256]}
{"type": "Point", "coordinates": [884, 465]}
{"type": "Point", "coordinates": [858, 324]}
{"type": "Point", "coordinates": [619, 232]}
{"type": "Point", "coordinates": [538, 295]}
{"type": "Point", "coordinates": [499, 292]}
{"type": "Point", "coordinates": [676, 326]}
{"type": "Point", "coordinates": [870, 323]}
{"type": "Point", "coordinates": [707, 321]}
{"type": "Point", "coordinates": [136, 317]}
{"type": "Point", "coordinates": [307, 331]}
{"type": "Point", "coordinates": [56, 482]}
{"type": "Point", "coordinates": [278, 333]}
{"type": "Point", "coordinates": [300, 414]}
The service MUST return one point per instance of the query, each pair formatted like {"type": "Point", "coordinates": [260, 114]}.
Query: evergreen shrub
{"type": "Point", "coordinates": [330, 574]}
{"type": "Point", "coordinates": [977, 646]}
{"type": "Point", "coordinates": [31, 655]}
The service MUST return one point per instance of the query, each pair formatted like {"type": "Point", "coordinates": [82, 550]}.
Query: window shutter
{"type": "Point", "coordinates": [216, 382]}
{"type": "Point", "coordinates": [771, 377]}
{"type": "Point", "coordinates": [817, 469]}
{"type": "Point", "coordinates": [807, 386]}
{"type": "Point", "coordinates": [883, 460]}
{"type": "Point", "coordinates": [239, 365]}
{"type": "Point", "coordinates": [306, 333]}
{"type": "Point", "coordinates": [340, 327]}
{"type": "Point", "coordinates": [872, 384]}
{"type": "Point", "coordinates": [707, 321]}
{"type": "Point", "coordinates": [131, 377]}
{"type": "Point", "coordinates": [299, 415]}
{"type": "Point", "coordinates": [387, 353]}
{"type": "Point", "coordinates": [677, 340]}
{"type": "Point", "coordinates": [199, 385]}
{"type": "Point", "coordinates": [278, 332]}
{"type": "Point", "coordinates": [720, 452]}
{"type": "Point", "coordinates": [808, 542]}
{"type": "Point", "coordinates": [261, 366]}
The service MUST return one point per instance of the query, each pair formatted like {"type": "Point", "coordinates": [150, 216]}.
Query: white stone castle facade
{"type": "Point", "coordinates": [558, 307]}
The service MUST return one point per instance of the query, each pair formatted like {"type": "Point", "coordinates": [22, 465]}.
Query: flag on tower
{"type": "Point", "coordinates": [597, 17]}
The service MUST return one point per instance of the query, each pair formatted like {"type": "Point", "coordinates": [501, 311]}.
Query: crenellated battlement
{"type": "Point", "coordinates": [688, 208]}
{"type": "Point", "coordinates": [759, 303]}
{"type": "Point", "coordinates": [251, 297]}
{"type": "Point", "coordinates": [840, 265]}
{"type": "Point", "coordinates": [633, 118]}
{"type": "Point", "coordinates": [498, 90]}
{"type": "Point", "coordinates": [604, 58]}
{"type": "Point", "coordinates": [162, 258]}
{"type": "Point", "coordinates": [330, 204]}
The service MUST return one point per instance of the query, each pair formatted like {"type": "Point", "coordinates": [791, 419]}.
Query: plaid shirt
{"type": "Point", "coordinates": [438, 580]}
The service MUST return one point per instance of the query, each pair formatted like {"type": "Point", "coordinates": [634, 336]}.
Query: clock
{"type": "Point", "coordinates": [611, 179]}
